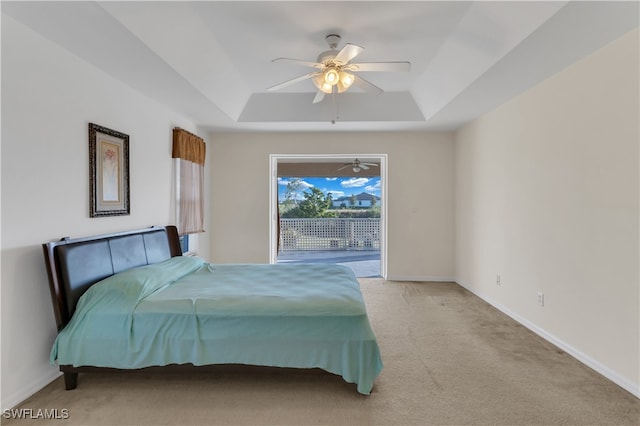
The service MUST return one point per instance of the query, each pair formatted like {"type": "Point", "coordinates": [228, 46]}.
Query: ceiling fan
{"type": "Point", "coordinates": [357, 165]}
{"type": "Point", "coordinates": [335, 70]}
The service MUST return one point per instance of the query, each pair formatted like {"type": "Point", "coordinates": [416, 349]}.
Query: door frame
{"type": "Point", "coordinates": [303, 158]}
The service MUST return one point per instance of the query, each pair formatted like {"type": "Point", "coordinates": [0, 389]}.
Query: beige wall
{"type": "Point", "coordinates": [547, 196]}
{"type": "Point", "coordinates": [420, 194]}
{"type": "Point", "coordinates": [48, 98]}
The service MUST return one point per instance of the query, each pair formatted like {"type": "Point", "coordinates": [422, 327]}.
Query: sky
{"type": "Point", "coordinates": [337, 186]}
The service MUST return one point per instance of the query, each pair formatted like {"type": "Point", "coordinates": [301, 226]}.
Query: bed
{"type": "Point", "coordinates": [131, 301]}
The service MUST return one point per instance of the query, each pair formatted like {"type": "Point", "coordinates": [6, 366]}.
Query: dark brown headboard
{"type": "Point", "coordinates": [74, 265]}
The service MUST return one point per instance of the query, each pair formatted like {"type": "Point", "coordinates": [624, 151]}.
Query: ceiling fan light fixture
{"type": "Point", "coordinates": [331, 76]}
{"type": "Point", "coordinates": [335, 71]}
{"type": "Point", "coordinates": [321, 84]}
{"type": "Point", "coordinates": [356, 169]}
{"type": "Point", "coordinates": [346, 80]}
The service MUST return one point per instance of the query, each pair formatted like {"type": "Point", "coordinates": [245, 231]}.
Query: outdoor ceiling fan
{"type": "Point", "coordinates": [335, 72]}
{"type": "Point", "coordinates": [357, 165]}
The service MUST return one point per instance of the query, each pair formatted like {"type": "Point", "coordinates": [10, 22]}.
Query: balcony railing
{"type": "Point", "coordinates": [329, 234]}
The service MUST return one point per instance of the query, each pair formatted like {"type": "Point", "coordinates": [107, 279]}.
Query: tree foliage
{"type": "Point", "coordinates": [294, 187]}
{"type": "Point", "coordinates": [315, 204]}
{"type": "Point", "coordinates": [360, 213]}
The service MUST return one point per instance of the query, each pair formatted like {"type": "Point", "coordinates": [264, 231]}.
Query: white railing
{"type": "Point", "coordinates": [329, 234]}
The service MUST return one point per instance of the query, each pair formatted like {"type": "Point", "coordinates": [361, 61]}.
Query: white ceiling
{"type": "Point", "coordinates": [212, 60]}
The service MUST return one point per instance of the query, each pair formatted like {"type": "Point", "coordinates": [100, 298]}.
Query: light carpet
{"type": "Point", "coordinates": [449, 359]}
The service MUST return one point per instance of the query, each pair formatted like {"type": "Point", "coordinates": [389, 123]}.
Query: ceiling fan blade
{"type": "Point", "coordinates": [401, 66]}
{"type": "Point", "coordinates": [344, 167]}
{"type": "Point", "coordinates": [300, 62]}
{"type": "Point", "coordinates": [363, 166]}
{"type": "Point", "coordinates": [366, 85]}
{"type": "Point", "coordinates": [348, 52]}
{"type": "Point", "coordinates": [319, 97]}
{"type": "Point", "coordinates": [292, 81]}
{"type": "Point", "coordinates": [370, 164]}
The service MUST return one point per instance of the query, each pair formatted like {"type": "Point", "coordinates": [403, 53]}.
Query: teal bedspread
{"type": "Point", "coordinates": [185, 310]}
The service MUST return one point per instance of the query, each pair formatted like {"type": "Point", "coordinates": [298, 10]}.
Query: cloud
{"type": "Point", "coordinates": [336, 194]}
{"type": "Point", "coordinates": [373, 188]}
{"type": "Point", "coordinates": [303, 184]}
{"type": "Point", "coordinates": [354, 182]}
{"type": "Point", "coordinates": [331, 178]}
{"type": "Point", "coordinates": [283, 193]}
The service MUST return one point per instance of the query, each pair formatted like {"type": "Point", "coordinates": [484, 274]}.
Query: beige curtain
{"type": "Point", "coordinates": [190, 150]}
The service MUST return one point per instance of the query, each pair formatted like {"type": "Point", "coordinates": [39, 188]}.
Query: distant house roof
{"type": "Point", "coordinates": [363, 196]}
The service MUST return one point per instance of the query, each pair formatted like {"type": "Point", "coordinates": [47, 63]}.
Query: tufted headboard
{"type": "Point", "coordinates": [74, 265]}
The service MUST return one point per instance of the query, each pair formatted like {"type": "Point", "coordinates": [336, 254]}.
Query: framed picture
{"type": "Point", "coordinates": [108, 172]}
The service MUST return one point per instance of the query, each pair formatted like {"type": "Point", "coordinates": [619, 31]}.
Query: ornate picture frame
{"type": "Point", "coordinates": [108, 172]}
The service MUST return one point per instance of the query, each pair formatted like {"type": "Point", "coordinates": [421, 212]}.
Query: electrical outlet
{"type": "Point", "coordinates": [498, 280]}
{"type": "Point", "coordinates": [540, 299]}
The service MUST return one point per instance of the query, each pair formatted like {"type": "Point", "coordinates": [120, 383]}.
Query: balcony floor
{"type": "Point", "coordinates": [364, 263]}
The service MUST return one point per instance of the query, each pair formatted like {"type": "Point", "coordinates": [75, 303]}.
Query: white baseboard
{"type": "Point", "coordinates": [28, 390]}
{"type": "Point", "coordinates": [626, 384]}
{"type": "Point", "coordinates": [418, 278]}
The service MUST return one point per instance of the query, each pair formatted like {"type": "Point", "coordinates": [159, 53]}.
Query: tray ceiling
{"type": "Point", "coordinates": [212, 60]}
